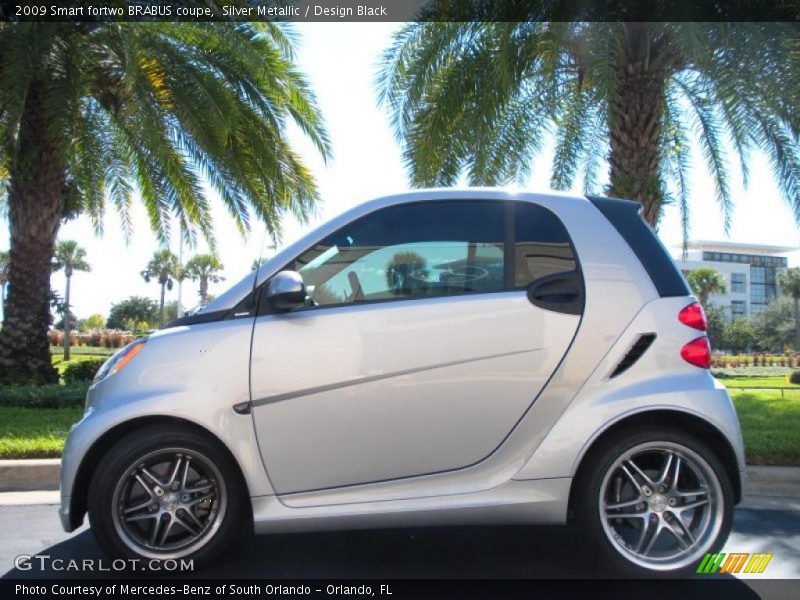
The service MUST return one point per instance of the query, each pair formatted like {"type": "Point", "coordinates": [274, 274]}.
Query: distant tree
{"type": "Point", "coordinates": [406, 273]}
{"type": "Point", "coordinates": [789, 282]}
{"type": "Point", "coordinates": [704, 282]}
{"type": "Point", "coordinates": [132, 312]}
{"type": "Point", "coordinates": [204, 268]}
{"type": "Point", "coordinates": [170, 311]}
{"type": "Point", "coordinates": [70, 257]}
{"type": "Point", "coordinates": [95, 321]}
{"type": "Point", "coordinates": [739, 335]}
{"type": "Point", "coordinates": [164, 268]}
{"type": "Point", "coordinates": [62, 323]}
{"type": "Point", "coordinates": [717, 324]}
{"type": "Point", "coordinates": [4, 258]}
{"type": "Point", "coordinates": [774, 326]}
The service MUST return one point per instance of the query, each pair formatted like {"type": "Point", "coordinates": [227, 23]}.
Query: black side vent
{"type": "Point", "coordinates": [634, 354]}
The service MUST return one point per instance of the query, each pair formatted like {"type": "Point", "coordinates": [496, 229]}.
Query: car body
{"type": "Point", "coordinates": [383, 371]}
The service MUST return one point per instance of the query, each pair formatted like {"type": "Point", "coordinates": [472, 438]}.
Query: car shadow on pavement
{"type": "Point", "coordinates": [507, 552]}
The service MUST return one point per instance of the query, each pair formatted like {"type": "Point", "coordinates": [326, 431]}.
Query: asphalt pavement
{"type": "Point", "coordinates": [438, 552]}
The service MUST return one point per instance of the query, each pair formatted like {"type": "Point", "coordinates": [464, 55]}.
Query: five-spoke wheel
{"type": "Point", "coordinates": [168, 501]}
{"type": "Point", "coordinates": [658, 499]}
{"type": "Point", "coordinates": [166, 493]}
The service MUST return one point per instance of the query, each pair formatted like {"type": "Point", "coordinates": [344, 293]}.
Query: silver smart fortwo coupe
{"type": "Point", "coordinates": [457, 356]}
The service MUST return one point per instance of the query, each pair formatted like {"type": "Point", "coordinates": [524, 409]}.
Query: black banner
{"type": "Point", "coordinates": [399, 10]}
{"type": "Point", "coordinates": [727, 588]}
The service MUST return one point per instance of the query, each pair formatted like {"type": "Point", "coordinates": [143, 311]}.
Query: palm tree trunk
{"type": "Point", "coordinates": [35, 201]}
{"type": "Point", "coordinates": [634, 116]}
{"type": "Point", "coordinates": [161, 307]}
{"type": "Point", "coordinates": [796, 324]}
{"type": "Point", "coordinates": [203, 291]}
{"type": "Point", "coordinates": [67, 323]}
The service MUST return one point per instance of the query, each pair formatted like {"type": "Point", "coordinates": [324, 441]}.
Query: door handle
{"type": "Point", "coordinates": [560, 292]}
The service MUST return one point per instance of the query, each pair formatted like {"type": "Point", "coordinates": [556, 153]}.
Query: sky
{"type": "Point", "coordinates": [340, 61]}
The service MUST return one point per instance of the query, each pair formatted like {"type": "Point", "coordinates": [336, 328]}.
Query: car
{"type": "Point", "coordinates": [460, 356]}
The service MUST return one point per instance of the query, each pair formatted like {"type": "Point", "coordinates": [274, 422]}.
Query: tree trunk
{"type": "Point", "coordinates": [161, 307]}
{"type": "Point", "coordinates": [635, 123]}
{"type": "Point", "coordinates": [36, 205]}
{"type": "Point", "coordinates": [797, 324]}
{"type": "Point", "coordinates": [203, 291]}
{"type": "Point", "coordinates": [67, 323]}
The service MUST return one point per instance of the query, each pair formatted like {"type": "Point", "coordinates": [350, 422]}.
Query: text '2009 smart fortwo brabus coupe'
{"type": "Point", "coordinates": [473, 356]}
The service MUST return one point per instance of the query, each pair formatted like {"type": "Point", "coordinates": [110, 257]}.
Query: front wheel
{"type": "Point", "coordinates": [165, 493]}
{"type": "Point", "coordinates": [656, 501]}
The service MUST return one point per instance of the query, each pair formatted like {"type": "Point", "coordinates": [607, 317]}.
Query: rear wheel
{"type": "Point", "coordinates": [656, 501]}
{"type": "Point", "coordinates": [166, 493]}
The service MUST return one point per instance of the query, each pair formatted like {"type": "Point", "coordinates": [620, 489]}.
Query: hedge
{"type": "Point", "coordinates": [45, 396]}
{"type": "Point", "coordinates": [83, 370]}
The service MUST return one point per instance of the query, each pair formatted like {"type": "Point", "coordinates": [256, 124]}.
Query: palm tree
{"type": "Point", "coordinates": [478, 99]}
{"type": "Point", "coordinates": [90, 111]}
{"type": "Point", "coordinates": [164, 267]}
{"type": "Point", "coordinates": [3, 280]}
{"type": "Point", "coordinates": [70, 257]}
{"type": "Point", "coordinates": [406, 273]}
{"type": "Point", "coordinates": [204, 267]}
{"type": "Point", "coordinates": [704, 282]}
{"type": "Point", "coordinates": [4, 260]}
{"type": "Point", "coordinates": [789, 282]}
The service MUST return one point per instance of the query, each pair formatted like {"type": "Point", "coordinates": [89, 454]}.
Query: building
{"type": "Point", "coordinates": [750, 272]}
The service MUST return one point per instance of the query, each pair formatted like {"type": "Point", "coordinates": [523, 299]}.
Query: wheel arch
{"type": "Point", "coordinates": [705, 431]}
{"type": "Point", "coordinates": [92, 457]}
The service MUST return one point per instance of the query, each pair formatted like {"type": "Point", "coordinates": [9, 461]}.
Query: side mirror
{"type": "Point", "coordinates": [286, 290]}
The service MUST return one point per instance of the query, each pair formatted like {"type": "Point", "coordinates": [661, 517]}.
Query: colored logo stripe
{"type": "Point", "coordinates": [717, 563]}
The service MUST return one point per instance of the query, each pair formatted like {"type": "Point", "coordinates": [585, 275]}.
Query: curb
{"type": "Point", "coordinates": [43, 474]}
{"type": "Point", "coordinates": [29, 474]}
{"type": "Point", "coordinates": [773, 481]}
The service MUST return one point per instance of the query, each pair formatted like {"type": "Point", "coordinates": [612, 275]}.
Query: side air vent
{"type": "Point", "coordinates": [635, 353]}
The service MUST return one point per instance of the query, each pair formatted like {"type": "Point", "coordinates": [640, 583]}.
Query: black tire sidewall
{"type": "Point", "coordinates": [134, 446]}
{"type": "Point", "coordinates": [589, 483]}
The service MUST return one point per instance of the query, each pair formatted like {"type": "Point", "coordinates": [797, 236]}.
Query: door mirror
{"type": "Point", "coordinates": [286, 290]}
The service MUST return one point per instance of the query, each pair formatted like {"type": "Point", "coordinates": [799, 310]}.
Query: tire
{"type": "Point", "coordinates": [666, 529]}
{"type": "Point", "coordinates": [169, 479]}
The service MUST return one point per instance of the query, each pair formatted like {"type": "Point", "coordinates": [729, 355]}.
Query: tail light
{"type": "Point", "coordinates": [694, 316]}
{"type": "Point", "coordinates": [697, 352]}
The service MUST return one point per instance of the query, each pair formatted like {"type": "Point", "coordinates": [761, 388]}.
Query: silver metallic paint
{"type": "Point", "coordinates": [197, 373]}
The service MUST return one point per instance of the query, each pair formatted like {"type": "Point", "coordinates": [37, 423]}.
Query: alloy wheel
{"type": "Point", "coordinates": [169, 503]}
{"type": "Point", "coordinates": [661, 505]}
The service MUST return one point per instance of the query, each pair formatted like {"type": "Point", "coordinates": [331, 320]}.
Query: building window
{"type": "Point", "coordinates": [738, 308]}
{"type": "Point", "coordinates": [738, 283]}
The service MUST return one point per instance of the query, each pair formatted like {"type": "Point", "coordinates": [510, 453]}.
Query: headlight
{"type": "Point", "coordinates": [120, 359]}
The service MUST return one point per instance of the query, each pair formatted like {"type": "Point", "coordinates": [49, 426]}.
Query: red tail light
{"type": "Point", "coordinates": [694, 316]}
{"type": "Point", "coordinates": [698, 353]}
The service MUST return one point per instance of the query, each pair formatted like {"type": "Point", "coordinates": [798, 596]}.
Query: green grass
{"type": "Point", "coordinates": [35, 432]}
{"type": "Point", "coordinates": [60, 364]}
{"type": "Point", "coordinates": [82, 351]}
{"type": "Point", "coordinates": [758, 382]}
{"type": "Point", "coordinates": [770, 426]}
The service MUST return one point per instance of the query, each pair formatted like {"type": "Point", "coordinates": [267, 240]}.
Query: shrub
{"type": "Point", "coordinates": [795, 377]}
{"type": "Point", "coordinates": [45, 396]}
{"type": "Point", "coordinates": [84, 370]}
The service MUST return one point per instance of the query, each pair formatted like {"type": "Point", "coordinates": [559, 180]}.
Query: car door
{"type": "Point", "coordinates": [422, 342]}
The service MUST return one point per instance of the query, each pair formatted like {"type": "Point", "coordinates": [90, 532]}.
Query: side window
{"type": "Point", "coordinates": [411, 250]}
{"type": "Point", "coordinates": [541, 244]}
